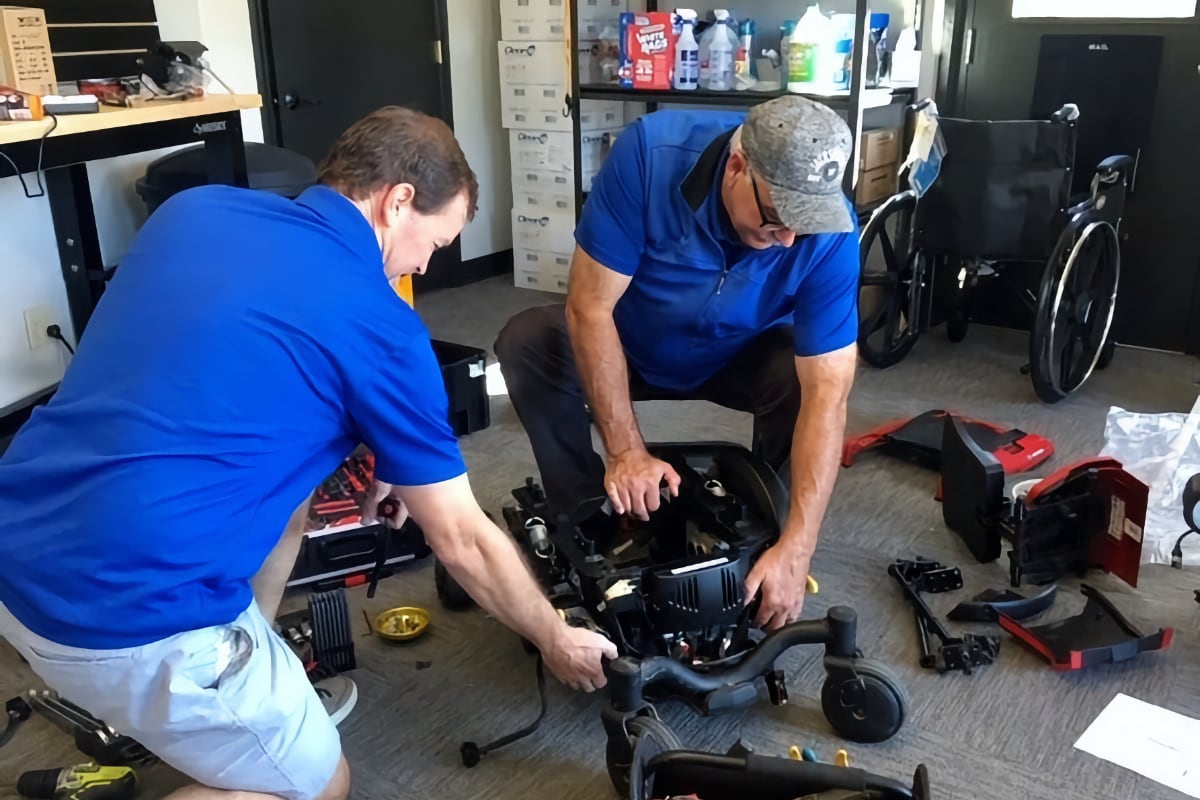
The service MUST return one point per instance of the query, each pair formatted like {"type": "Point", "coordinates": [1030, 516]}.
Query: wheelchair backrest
{"type": "Point", "coordinates": [1003, 191]}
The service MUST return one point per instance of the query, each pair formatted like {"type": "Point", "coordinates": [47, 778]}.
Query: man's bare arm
{"type": "Point", "coordinates": [593, 294]}
{"type": "Point", "coordinates": [485, 562]}
{"type": "Point", "coordinates": [633, 477]}
{"type": "Point", "coordinates": [825, 383]}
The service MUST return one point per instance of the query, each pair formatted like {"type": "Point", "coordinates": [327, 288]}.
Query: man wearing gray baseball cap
{"type": "Point", "coordinates": [716, 259]}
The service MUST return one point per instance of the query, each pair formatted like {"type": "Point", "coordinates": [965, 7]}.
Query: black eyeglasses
{"type": "Point", "coordinates": [762, 211]}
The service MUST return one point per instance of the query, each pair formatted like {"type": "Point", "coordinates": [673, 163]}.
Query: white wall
{"type": "Point", "coordinates": [475, 78]}
{"type": "Point", "coordinates": [30, 275]}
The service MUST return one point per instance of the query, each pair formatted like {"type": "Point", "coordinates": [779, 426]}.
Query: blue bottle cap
{"type": "Point", "coordinates": [880, 21]}
{"type": "Point", "coordinates": [844, 46]}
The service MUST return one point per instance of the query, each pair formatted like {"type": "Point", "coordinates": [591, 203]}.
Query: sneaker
{"type": "Point", "coordinates": [339, 695]}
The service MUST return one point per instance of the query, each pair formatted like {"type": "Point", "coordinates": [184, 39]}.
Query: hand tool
{"type": "Point", "coordinates": [17, 710]}
{"type": "Point", "coordinates": [83, 782]}
{"type": "Point", "coordinates": [92, 737]}
{"type": "Point", "coordinates": [388, 508]}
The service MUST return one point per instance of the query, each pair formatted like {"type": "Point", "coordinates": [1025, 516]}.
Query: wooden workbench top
{"type": "Point", "coordinates": [110, 117]}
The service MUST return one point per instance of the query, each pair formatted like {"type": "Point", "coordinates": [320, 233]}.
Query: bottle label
{"type": "Point", "coordinates": [802, 63]}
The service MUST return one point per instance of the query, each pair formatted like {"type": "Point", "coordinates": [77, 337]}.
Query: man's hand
{"type": "Point", "coordinates": [782, 574]}
{"type": "Point", "coordinates": [633, 479]}
{"type": "Point", "coordinates": [379, 492]}
{"type": "Point", "coordinates": [576, 657]}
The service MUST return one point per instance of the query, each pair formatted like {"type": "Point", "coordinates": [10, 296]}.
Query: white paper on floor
{"type": "Point", "coordinates": [1150, 740]}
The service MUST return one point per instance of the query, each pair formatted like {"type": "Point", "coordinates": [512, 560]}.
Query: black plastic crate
{"type": "Point", "coordinates": [466, 386]}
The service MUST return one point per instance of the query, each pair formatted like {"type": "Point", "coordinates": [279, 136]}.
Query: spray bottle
{"type": "Point", "coordinates": [687, 52]}
{"type": "Point", "coordinates": [720, 54]}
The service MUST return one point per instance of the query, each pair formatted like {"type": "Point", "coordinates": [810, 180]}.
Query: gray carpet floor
{"type": "Point", "coordinates": [1003, 733]}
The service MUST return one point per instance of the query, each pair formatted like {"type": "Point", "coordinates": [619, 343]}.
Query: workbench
{"type": "Point", "coordinates": [77, 139]}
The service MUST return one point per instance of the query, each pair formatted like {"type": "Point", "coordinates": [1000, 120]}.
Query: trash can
{"type": "Point", "coordinates": [268, 168]}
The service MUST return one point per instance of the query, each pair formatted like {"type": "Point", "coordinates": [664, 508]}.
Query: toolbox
{"type": "Point", "coordinates": [466, 386]}
{"type": "Point", "coordinates": [344, 554]}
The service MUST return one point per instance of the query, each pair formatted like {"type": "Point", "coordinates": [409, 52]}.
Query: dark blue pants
{"type": "Point", "coordinates": [538, 365]}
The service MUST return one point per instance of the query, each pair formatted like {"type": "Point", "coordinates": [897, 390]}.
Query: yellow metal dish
{"type": "Point", "coordinates": [402, 624]}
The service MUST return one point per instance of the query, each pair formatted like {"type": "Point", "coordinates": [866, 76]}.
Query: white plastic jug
{"type": "Point", "coordinates": [813, 34]}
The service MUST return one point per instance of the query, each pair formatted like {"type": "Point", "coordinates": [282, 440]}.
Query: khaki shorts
{"type": "Point", "coordinates": [230, 706]}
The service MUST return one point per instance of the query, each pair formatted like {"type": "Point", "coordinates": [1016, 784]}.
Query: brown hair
{"type": "Point", "coordinates": [397, 145]}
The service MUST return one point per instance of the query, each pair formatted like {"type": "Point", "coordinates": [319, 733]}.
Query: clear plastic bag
{"type": "Point", "coordinates": [1162, 451]}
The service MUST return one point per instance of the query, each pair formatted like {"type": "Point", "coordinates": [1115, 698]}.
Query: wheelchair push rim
{"type": "Point", "coordinates": [888, 293]}
{"type": "Point", "coordinates": [1075, 309]}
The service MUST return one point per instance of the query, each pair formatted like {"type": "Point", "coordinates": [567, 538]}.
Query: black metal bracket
{"type": "Point", "coordinates": [954, 653]}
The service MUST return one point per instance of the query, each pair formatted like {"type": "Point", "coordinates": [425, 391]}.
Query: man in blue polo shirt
{"type": "Point", "coordinates": [246, 346]}
{"type": "Point", "coordinates": [716, 259]}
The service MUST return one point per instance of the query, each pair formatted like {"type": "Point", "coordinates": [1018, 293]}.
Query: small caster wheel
{"type": "Point", "coordinates": [867, 704]}
{"type": "Point", "coordinates": [647, 736]}
{"type": "Point", "coordinates": [453, 596]}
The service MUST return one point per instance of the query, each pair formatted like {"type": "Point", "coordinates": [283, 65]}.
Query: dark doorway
{"type": "Point", "coordinates": [322, 66]}
{"type": "Point", "coordinates": [1009, 69]}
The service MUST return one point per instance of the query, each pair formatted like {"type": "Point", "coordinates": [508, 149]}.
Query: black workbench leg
{"type": "Point", "coordinates": [225, 151]}
{"type": "Point", "coordinates": [70, 196]}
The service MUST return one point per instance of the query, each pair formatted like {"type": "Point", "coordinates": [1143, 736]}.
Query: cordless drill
{"type": "Point", "coordinates": [83, 782]}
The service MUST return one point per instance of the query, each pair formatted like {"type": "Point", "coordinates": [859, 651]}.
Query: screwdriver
{"type": "Point", "coordinates": [82, 782]}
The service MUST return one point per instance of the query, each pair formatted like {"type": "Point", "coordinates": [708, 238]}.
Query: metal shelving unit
{"type": "Point", "coordinates": [851, 103]}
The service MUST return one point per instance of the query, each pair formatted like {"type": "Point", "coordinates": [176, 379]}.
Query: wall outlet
{"type": "Point", "coordinates": [37, 319]}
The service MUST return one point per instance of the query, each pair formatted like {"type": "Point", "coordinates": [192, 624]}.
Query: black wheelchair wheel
{"type": "Point", "coordinates": [647, 737]}
{"type": "Point", "coordinates": [867, 705]}
{"type": "Point", "coordinates": [1107, 353]}
{"type": "Point", "coordinates": [888, 284]}
{"type": "Point", "coordinates": [1075, 306]}
{"type": "Point", "coordinates": [452, 596]}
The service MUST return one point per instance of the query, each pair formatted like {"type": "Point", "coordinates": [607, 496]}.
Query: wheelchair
{"type": "Point", "coordinates": [1002, 200]}
{"type": "Point", "coordinates": [669, 592]}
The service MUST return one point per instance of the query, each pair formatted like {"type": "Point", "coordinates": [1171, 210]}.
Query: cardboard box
{"type": "Point", "coordinates": [878, 148]}
{"type": "Point", "coordinates": [547, 272]}
{"type": "Point", "coordinates": [533, 63]}
{"type": "Point", "coordinates": [553, 151]}
{"type": "Point", "coordinates": [534, 203]}
{"type": "Point", "coordinates": [533, 20]}
{"type": "Point", "coordinates": [597, 17]}
{"type": "Point", "coordinates": [876, 185]}
{"type": "Point", "coordinates": [542, 182]}
{"type": "Point", "coordinates": [548, 151]}
{"type": "Point", "coordinates": [546, 233]}
{"type": "Point", "coordinates": [528, 107]}
{"type": "Point", "coordinates": [543, 108]}
{"type": "Point", "coordinates": [25, 59]}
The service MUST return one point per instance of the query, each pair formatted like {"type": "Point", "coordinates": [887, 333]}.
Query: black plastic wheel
{"type": "Point", "coordinates": [1107, 353]}
{"type": "Point", "coordinates": [889, 284]}
{"type": "Point", "coordinates": [1075, 308]}
{"type": "Point", "coordinates": [452, 596]}
{"type": "Point", "coordinates": [868, 705]}
{"type": "Point", "coordinates": [618, 753]}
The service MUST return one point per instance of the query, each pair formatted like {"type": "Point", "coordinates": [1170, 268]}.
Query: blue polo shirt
{"type": "Point", "coordinates": [247, 344]}
{"type": "Point", "coordinates": [698, 296]}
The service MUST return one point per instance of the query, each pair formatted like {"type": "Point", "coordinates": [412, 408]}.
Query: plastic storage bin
{"type": "Point", "coordinates": [269, 169]}
{"type": "Point", "coordinates": [466, 386]}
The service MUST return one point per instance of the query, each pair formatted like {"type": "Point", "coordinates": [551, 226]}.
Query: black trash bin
{"type": "Point", "coordinates": [268, 168]}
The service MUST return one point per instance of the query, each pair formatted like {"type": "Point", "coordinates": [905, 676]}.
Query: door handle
{"type": "Point", "coordinates": [293, 101]}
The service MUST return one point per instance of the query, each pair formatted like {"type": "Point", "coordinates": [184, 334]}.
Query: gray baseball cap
{"type": "Point", "coordinates": [801, 148]}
